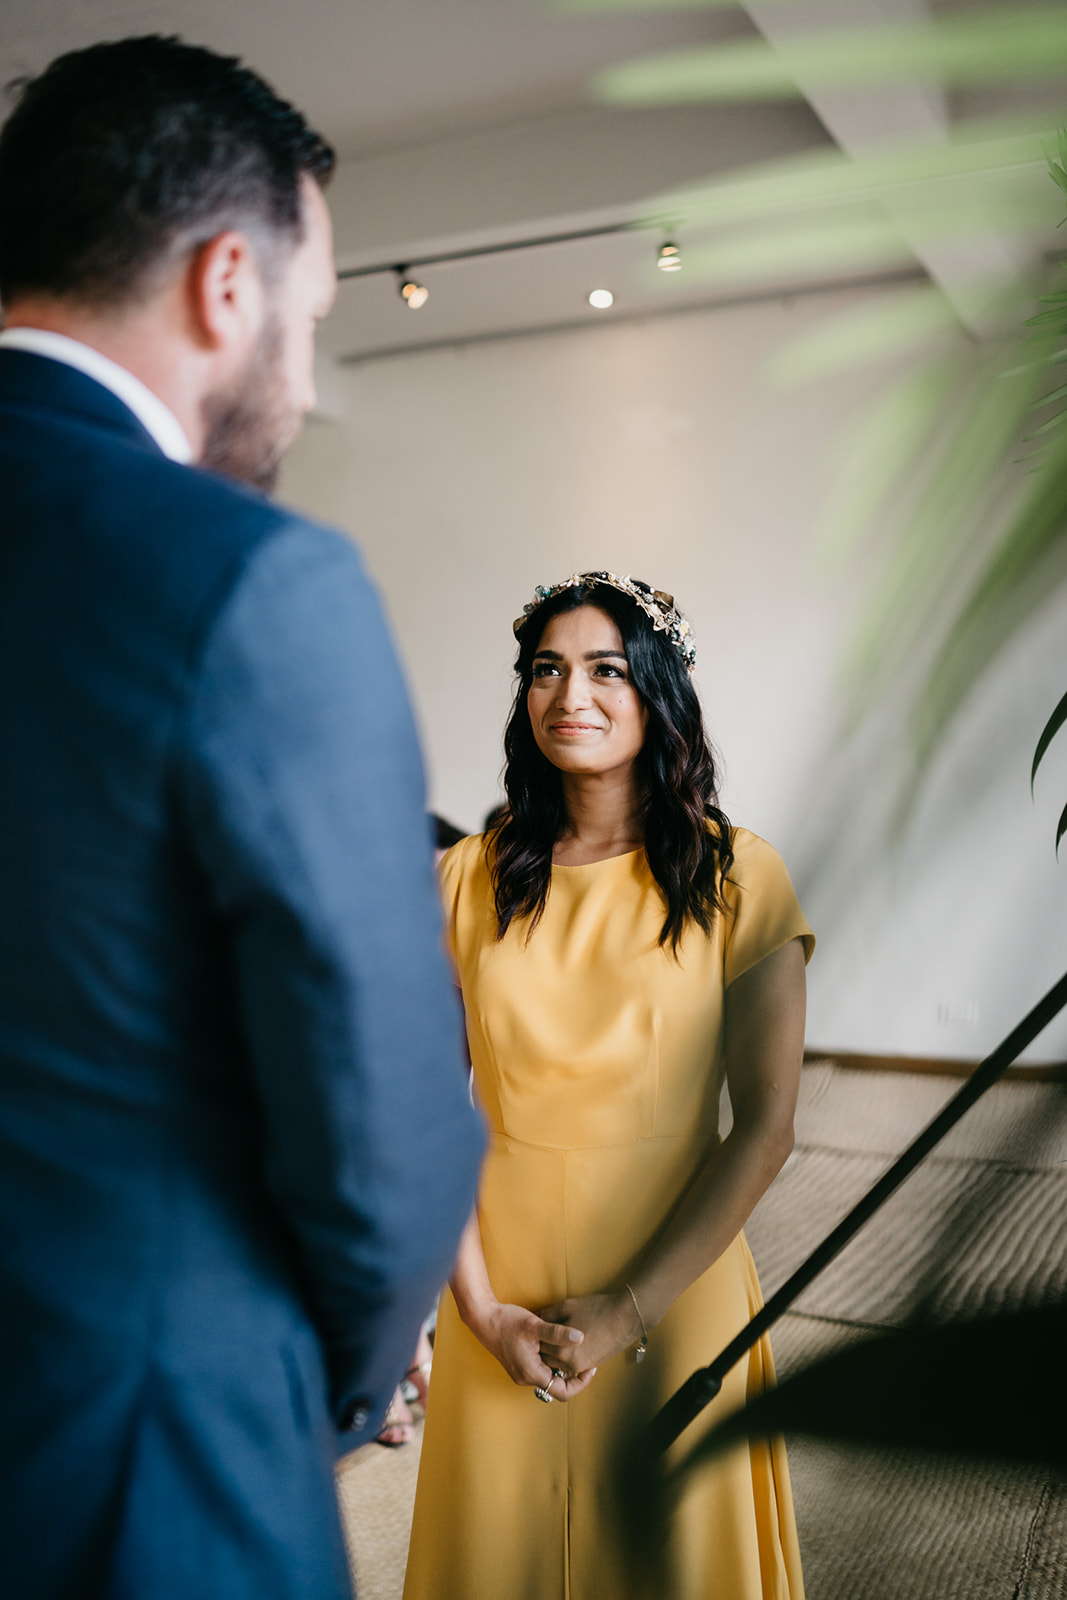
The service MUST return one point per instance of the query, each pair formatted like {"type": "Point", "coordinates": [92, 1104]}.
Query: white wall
{"type": "Point", "coordinates": [469, 475]}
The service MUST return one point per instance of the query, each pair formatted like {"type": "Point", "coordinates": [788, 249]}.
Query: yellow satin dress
{"type": "Point", "coordinates": [598, 1063]}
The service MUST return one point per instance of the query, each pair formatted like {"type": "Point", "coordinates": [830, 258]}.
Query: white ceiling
{"type": "Point", "coordinates": [382, 74]}
{"type": "Point", "coordinates": [462, 123]}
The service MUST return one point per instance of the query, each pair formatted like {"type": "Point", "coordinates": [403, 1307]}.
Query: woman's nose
{"type": "Point", "coordinates": [572, 691]}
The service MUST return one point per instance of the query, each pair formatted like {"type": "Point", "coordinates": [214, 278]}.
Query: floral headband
{"type": "Point", "coordinates": [658, 607]}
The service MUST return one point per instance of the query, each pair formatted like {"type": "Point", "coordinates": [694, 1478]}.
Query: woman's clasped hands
{"type": "Point", "coordinates": [516, 1337]}
{"type": "Point", "coordinates": [560, 1348]}
{"type": "Point", "coordinates": [608, 1324]}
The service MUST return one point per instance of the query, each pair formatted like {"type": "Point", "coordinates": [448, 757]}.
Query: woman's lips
{"type": "Point", "coordinates": [574, 727]}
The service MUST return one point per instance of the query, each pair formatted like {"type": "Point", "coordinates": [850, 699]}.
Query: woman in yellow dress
{"type": "Point", "coordinates": [620, 949]}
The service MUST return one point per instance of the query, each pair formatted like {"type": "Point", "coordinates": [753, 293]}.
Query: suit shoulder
{"type": "Point", "coordinates": [189, 553]}
{"type": "Point", "coordinates": [210, 536]}
{"type": "Point", "coordinates": [223, 512]}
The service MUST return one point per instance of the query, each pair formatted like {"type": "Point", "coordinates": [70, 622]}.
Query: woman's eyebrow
{"type": "Point", "coordinates": [590, 655]}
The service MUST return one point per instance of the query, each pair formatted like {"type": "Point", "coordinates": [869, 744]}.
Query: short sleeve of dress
{"type": "Point", "coordinates": [763, 912]}
{"type": "Point", "coordinates": [453, 872]}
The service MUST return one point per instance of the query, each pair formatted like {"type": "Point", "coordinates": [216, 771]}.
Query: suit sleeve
{"type": "Point", "coordinates": [303, 791]}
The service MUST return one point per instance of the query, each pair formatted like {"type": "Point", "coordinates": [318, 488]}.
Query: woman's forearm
{"type": "Point", "coordinates": [710, 1216]}
{"type": "Point", "coordinates": [471, 1289]}
{"type": "Point", "coordinates": [736, 1176]}
{"type": "Point", "coordinates": [513, 1334]}
{"type": "Point", "coordinates": [764, 1042]}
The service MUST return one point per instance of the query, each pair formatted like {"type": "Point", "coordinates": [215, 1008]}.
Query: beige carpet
{"type": "Point", "coordinates": [893, 1525]}
{"type": "Point", "coordinates": [981, 1226]}
{"type": "Point", "coordinates": [376, 1489]}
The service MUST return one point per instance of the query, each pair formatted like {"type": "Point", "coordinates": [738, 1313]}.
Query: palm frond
{"type": "Point", "coordinates": [1048, 733]}
{"type": "Point", "coordinates": [996, 45]}
{"type": "Point", "coordinates": [1028, 565]}
{"type": "Point", "coordinates": [972, 528]}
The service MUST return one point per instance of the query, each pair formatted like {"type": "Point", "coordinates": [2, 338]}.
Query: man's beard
{"type": "Point", "coordinates": [249, 425]}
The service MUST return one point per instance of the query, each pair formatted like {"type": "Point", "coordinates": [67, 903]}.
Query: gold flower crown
{"type": "Point", "coordinates": [658, 607]}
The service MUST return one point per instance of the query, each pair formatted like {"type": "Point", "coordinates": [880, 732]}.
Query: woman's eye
{"type": "Point", "coordinates": [542, 669]}
{"type": "Point", "coordinates": [606, 670]}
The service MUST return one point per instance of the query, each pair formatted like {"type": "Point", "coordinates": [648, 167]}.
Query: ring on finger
{"type": "Point", "coordinates": [544, 1392]}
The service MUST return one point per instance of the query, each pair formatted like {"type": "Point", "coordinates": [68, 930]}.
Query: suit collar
{"type": "Point", "coordinates": [32, 380]}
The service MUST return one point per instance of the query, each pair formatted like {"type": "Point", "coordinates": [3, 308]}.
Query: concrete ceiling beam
{"type": "Point", "coordinates": [975, 273]}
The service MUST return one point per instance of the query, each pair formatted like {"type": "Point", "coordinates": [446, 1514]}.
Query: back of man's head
{"type": "Point", "coordinates": [120, 159]}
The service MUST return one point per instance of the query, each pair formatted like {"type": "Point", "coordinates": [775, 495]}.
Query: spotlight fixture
{"type": "Point", "coordinates": [669, 258]}
{"type": "Point", "coordinates": [413, 294]}
{"type": "Point", "coordinates": [601, 299]}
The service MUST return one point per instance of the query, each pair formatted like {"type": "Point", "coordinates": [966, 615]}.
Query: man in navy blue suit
{"type": "Point", "coordinates": [236, 1151]}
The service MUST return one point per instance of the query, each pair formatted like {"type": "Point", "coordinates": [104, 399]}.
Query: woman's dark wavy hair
{"type": "Point", "coordinates": [687, 836]}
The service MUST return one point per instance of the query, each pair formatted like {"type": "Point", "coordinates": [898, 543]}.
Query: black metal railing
{"type": "Point", "coordinates": [699, 1390]}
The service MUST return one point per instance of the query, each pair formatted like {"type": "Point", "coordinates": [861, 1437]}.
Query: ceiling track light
{"type": "Point", "coordinates": [669, 257]}
{"type": "Point", "coordinates": [412, 293]}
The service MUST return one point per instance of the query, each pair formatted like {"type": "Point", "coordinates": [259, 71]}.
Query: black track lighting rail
{"type": "Point", "coordinates": [409, 263]}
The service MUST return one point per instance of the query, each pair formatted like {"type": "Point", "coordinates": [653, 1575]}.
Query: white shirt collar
{"type": "Point", "coordinates": [155, 417]}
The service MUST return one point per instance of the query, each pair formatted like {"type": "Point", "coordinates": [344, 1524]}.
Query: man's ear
{"type": "Point", "coordinates": [225, 293]}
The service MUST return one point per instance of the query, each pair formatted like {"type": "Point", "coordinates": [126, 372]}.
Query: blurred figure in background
{"type": "Point", "coordinates": [399, 1425]}
{"type": "Point", "coordinates": [221, 983]}
{"type": "Point", "coordinates": [494, 817]}
{"type": "Point", "coordinates": [445, 835]}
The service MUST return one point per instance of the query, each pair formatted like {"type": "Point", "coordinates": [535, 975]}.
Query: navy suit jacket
{"type": "Point", "coordinates": [236, 1149]}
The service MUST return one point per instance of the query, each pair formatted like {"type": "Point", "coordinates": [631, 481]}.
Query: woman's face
{"type": "Point", "coordinates": [585, 713]}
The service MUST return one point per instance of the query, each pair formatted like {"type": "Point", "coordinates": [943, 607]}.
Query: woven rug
{"type": "Point", "coordinates": [890, 1525]}
{"type": "Point", "coordinates": [376, 1491]}
{"type": "Point", "coordinates": [981, 1226]}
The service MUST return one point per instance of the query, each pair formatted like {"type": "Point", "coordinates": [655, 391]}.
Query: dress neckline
{"type": "Point", "coordinates": [583, 866]}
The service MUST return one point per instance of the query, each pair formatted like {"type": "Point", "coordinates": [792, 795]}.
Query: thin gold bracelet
{"type": "Point", "coordinates": [642, 1344]}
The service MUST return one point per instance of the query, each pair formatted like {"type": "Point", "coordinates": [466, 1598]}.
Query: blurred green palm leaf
{"type": "Point", "coordinates": [584, 7]}
{"type": "Point", "coordinates": [960, 461]}
{"type": "Point", "coordinates": [994, 46]}
{"type": "Point", "coordinates": [1001, 160]}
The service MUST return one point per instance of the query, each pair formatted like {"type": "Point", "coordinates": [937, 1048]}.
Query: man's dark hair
{"type": "Point", "coordinates": [118, 155]}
